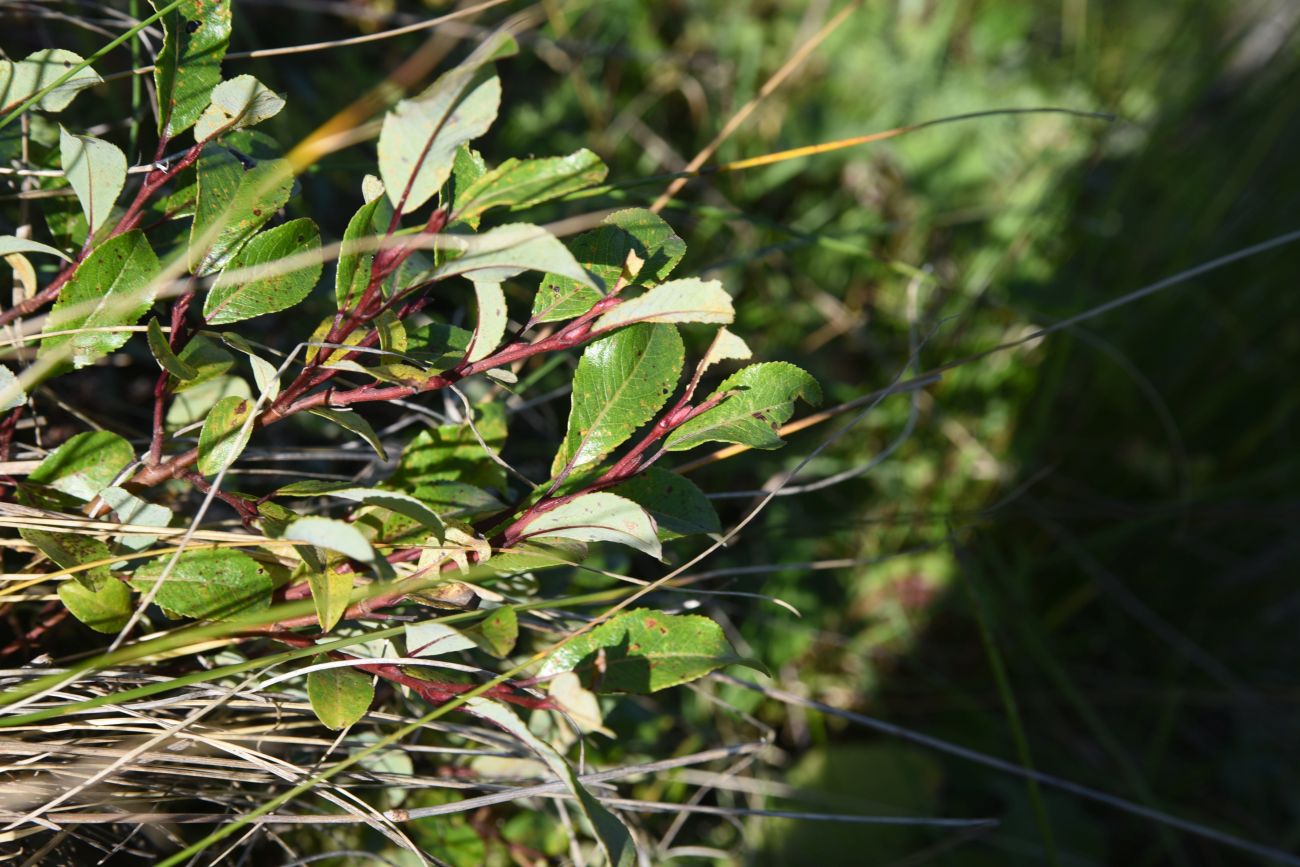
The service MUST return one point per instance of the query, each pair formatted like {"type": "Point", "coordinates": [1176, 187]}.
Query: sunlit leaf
{"type": "Point", "coordinates": [688, 300]}
{"type": "Point", "coordinates": [492, 319]}
{"type": "Point", "coordinates": [113, 286]}
{"type": "Point", "coordinates": [523, 183]}
{"type": "Point", "coordinates": [241, 102]}
{"type": "Point", "coordinates": [70, 550]}
{"type": "Point", "coordinates": [339, 696]}
{"type": "Point", "coordinates": [622, 381]}
{"type": "Point", "coordinates": [598, 517]}
{"type": "Point", "coordinates": [209, 584]}
{"type": "Point", "coordinates": [498, 632]}
{"type": "Point", "coordinates": [265, 373]}
{"type": "Point", "coordinates": [11, 391]}
{"type": "Point", "coordinates": [635, 240]}
{"type": "Point", "coordinates": [192, 404]}
{"type": "Point", "coordinates": [234, 201]}
{"type": "Point", "coordinates": [96, 170]}
{"type": "Point", "coordinates": [225, 434]}
{"type": "Point", "coordinates": [106, 609]}
{"type": "Point", "coordinates": [85, 464]}
{"type": "Point", "coordinates": [39, 70]}
{"type": "Point", "coordinates": [505, 251]}
{"type": "Point", "coordinates": [10, 245]}
{"type": "Point", "coordinates": [188, 67]}
{"type": "Point", "coordinates": [644, 651]}
{"type": "Point", "coordinates": [330, 591]}
{"type": "Point", "coordinates": [357, 254]}
{"type": "Point", "coordinates": [761, 399]}
{"type": "Point", "coordinates": [256, 281]}
{"type": "Point", "coordinates": [419, 137]}
{"type": "Point", "coordinates": [334, 535]}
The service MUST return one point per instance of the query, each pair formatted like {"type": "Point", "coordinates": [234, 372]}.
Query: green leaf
{"type": "Point", "coordinates": [69, 550]}
{"type": "Point", "coordinates": [492, 320]}
{"type": "Point", "coordinates": [644, 651]}
{"type": "Point", "coordinates": [192, 404]}
{"type": "Point", "coordinates": [467, 167]}
{"type": "Point", "coordinates": [604, 252]}
{"type": "Point", "coordinates": [391, 331]}
{"type": "Point", "coordinates": [256, 282]}
{"type": "Point", "coordinates": [241, 102]}
{"type": "Point", "coordinates": [330, 592]}
{"type": "Point", "coordinates": [536, 555]}
{"type": "Point", "coordinates": [456, 499]}
{"type": "Point", "coordinates": [106, 609]}
{"type": "Point", "coordinates": [439, 345]}
{"type": "Point", "coordinates": [357, 253]}
{"type": "Point", "coordinates": [726, 346]}
{"type": "Point", "coordinates": [208, 360]}
{"type": "Point", "coordinates": [97, 172]}
{"type": "Point", "coordinates": [85, 464]}
{"type": "Point", "coordinates": [689, 300]}
{"type": "Point", "coordinates": [188, 67]}
{"type": "Point", "coordinates": [622, 381]}
{"type": "Point", "coordinates": [451, 452]}
{"type": "Point", "coordinates": [676, 503]}
{"type": "Point", "coordinates": [339, 696]}
{"type": "Point", "coordinates": [11, 391]}
{"type": "Point", "coordinates": [166, 358]}
{"type": "Point", "coordinates": [420, 137]}
{"type": "Point", "coordinates": [498, 632]}
{"type": "Point", "coordinates": [209, 584]}
{"type": "Point", "coordinates": [39, 70]}
{"type": "Point", "coordinates": [505, 251]}
{"type": "Point", "coordinates": [265, 374]}
{"type": "Point", "coordinates": [612, 834]}
{"type": "Point", "coordinates": [113, 286]}
{"type": "Point", "coordinates": [333, 535]}
{"type": "Point", "coordinates": [224, 434]}
{"type": "Point", "coordinates": [524, 183]}
{"type": "Point", "coordinates": [354, 422]}
{"type": "Point", "coordinates": [234, 201]}
{"type": "Point", "coordinates": [130, 509]}
{"type": "Point", "coordinates": [761, 400]}
{"type": "Point", "coordinates": [10, 245]}
{"type": "Point", "coordinates": [434, 638]}
{"type": "Point", "coordinates": [598, 518]}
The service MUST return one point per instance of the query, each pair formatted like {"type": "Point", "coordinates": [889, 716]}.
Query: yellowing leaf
{"type": "Point", "coordinates": [598, 518]}
{"type": "Point", "coordinates": [224, 435]}
{"type": "Point", "coordinates": [688, 300]}
{"type": "Point", "coordinates": [241, 102]}
{"type": "Point", "coordinates": [340, 696]}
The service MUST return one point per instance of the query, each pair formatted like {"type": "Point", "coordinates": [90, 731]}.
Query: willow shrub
{"type": "Point", "coordinates": [182, 253]}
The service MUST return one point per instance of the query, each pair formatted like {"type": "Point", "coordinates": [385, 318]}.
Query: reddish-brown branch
{"type": "Point", "coordinates": [152, 183]}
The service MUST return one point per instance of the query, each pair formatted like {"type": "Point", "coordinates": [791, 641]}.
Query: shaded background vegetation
{"type": "Point", "coordinates": [1113, 507]}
